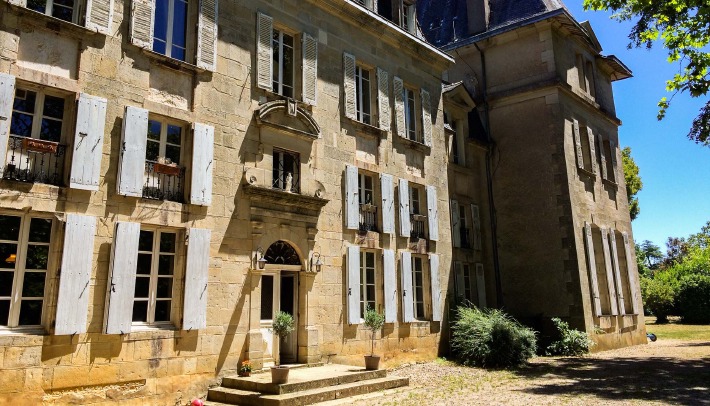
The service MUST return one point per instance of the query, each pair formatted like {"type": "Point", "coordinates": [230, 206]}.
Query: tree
{"type": "Point", "coordinates": [683, 26]}
{"type": "Point", "coordinates": [650, 253]}
{"type": "Point", "coordinates": [633, 182]}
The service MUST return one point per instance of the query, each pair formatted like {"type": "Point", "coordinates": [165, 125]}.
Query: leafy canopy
{"type": "Point", "coordinates": [633, 182]}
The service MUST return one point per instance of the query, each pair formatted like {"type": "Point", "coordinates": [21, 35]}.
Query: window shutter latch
{"type": "Point", "coordinates": [350, 291]}
{"type": "Point", "coordinates": [3, 118]}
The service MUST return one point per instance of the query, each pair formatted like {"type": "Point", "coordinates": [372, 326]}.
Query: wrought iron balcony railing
{"type": "Point", "coordinates": [418, 226]}
{"type": "Point", "coordinates": [368, 217]}
{"type": "Point", "coordinates": [35, 161]}
{"type": "Point", "coordinates": [164, 182]}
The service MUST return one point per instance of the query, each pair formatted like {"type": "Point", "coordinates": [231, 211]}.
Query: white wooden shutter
{"type": "Point", "coordinates": [578, 144]}
{"type": "Point", "coordinates": [407, 289]}
{"type": "Point", "coordinates": [264, 51]}
{"type": "Point", "coordinates": [426, 117]}
{"type": "Point", "coordinates": [196, 275]}
{"type": "Point", "coordinates": [592, 263]}
{"type": "Point", "coordinates": [455, 224]}
{"type": "Point", "coordinates": [21, 3]}
{"type": "Point", "coordinates": [459, 282]}
{"type": "Point", "coordinates": [436, 310]}
{"type": "Point", "coordinates": [88, 142]}
{"type": "Point", "coordinates": [383, 99]}
{"type": "Point", "coordinates": [387, 189]}
{"type": "Point", "coordinates": [310, 69]}
{"type": "Point", "coordinates": [353, 285]}
{"type": "Point", "coordinates": [602, 157]}
{"type": "Point", "coordinates": [614, 170]}
{"type": "Point", "coordinates": [122, 279]}
{"type": "Point", "coordinates": [633, 282]}
{"type": "Point", "coordinates": [75, 275]}
{"type": "Point", "coordinates": [99, 15]}
{"type": "Point", "coordinates": [131, 165]}
{"type": "Point", "coordinates": [142, 17]}
{"type": "Point", "coordinates": [349, 87]}
{"type": "Point", "coordinates": [433, 211]}
{"type": "Point", "coordinates": [609, 273]}
{"type": "Point", "coordinates": [202, 165]}
{"type": "Point", "coordinates": [390, 286]}
{"type": "Point", "coordinates": [478, 239]}
{"type": "Point", "coordinates": [481, 286]}
{"type": "Point", "coordinates": [592, 149]}
{"type": "Point", "coordinates": [207, 35]}
{"type": "Point", "coordinates": [7, 98]}
{"type": "Point", "coordinates": [352, 200]}
{"type": "Point", "coordinates": [617, 272]}
{"type": "Point", "coordinates": [405, 222]}
{"type": "Point", "coordinates": [399, 120]}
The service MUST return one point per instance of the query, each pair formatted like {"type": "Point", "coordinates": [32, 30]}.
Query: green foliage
{"type": "Point", "coordinates": [571, 343]}
{"type": "Point", "coordinates": [658, 298]}
{"type": "Point", "coordinates": [633, 182]}
{"type": "Point", "coordinates": [374, 322]}
{"type": "Point", "coordinates": [283, 324]}
{"type": "Point", "coordinates": [649, 254]}
{"type": "Point", "coordinates": [693, 299]}
{"type": "Point", "coordinates": [491, 338]}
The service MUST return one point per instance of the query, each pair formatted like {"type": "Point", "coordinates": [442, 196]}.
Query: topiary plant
{"type": "Point", "coordinates": [571, 343]}
{"type": "Point", "coordinates": [374, 322]}
{"type": "Point", "coordinates": [282, 326]}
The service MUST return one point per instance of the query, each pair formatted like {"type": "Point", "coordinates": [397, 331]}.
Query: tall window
{"type": "Point", "coordinates": [283, 63]}
{"type": "Point", "coordinates": [365, 191]}
{"type": "Point", "coordinates": [414, 200]}
{"type": "Point", "coordinates": [37, 115]}
{"type": "Point", "coordinates": [164, 141]}
{"type": "Point", "coordinates": [464, 227]}
{"type": "Point", "coordinates": [164, 176]}
{"type": "Point", "coordinates": [170, 28]}
{"type": "Point", "coordinates": [418, 287]}
{"type": "Point", "coordinates": [367, 282]}
{"type": "Point", "coordinates": [362, 88]}
{"type": "Point", "coordinates": [469, 290]}
{"type": "Point", "coordinates": [286, 171]}
{"type": "Point", "coordinates": [410, 114]}
{"type": "Point", "coordinates": [408, 17]}
{"type": "Point", "coordinates": [153, 297]}
{"type": "Point", "coordinates": [24, 259]}
{"type": "Point", "coordinates": [61, 9]}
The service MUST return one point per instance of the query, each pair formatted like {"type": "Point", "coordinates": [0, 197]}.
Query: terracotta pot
{"type": "Point", "coordinates": [172, 170]}
{"type": "Point", "coordinates": [279, 375]}
{"type": "Point", "coordinates": [245, 374]}
{"type": "Point", "coordinates": [372, 362]}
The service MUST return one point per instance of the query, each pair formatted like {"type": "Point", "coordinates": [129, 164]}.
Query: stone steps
{"type": "Point", "coordinates": [296, 386]}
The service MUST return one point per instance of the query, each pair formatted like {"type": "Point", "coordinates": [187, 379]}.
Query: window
{"type": "Point", "coordinates": [418, 287]}
{"type": "Point", "coordinates": [367, 282]}
{"type": "Point", "coordinates": [408, 19]}
{"type": "Point", "coordinates": [61, 9]}
{"type": "Point", "coordinates": [286, 171]}
{"type": "Point", "coordinates": [24, 261]}
{"type": "Point", "coordinates": [164, 141]}
{"type": "Point", "coordinates": [152, 302]}
{"type": "Point", "coordinates": [468, 284]}
{"type": "Point", "coordinates": [37, 115]}
{"type": "Point", "coordinates": [365, 185]}
{"type": "Point", "coordinates": [362, 90]}
{"type": "Point", "coordinates": [464, 227]}
{"type": "Point", "coordinates": [170, 28]}
{"type": "Point", "coordinates": [267, 297]}
{"type": "Point", "coordinates": [283, 61]}
{"type": "Point", "coordinates": [410, 114]}
{"type": "Point", "coordinates": [164, 175]}
{"type": "Point", "coordinates": [414, 193]}
{"type": "Point", "coordinates": [368, 211]}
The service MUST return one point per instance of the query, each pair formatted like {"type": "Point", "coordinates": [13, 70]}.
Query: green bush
{"type": "Point", "coordinates": [571, 343]}
{"type": "Point", "coordinates": [374, 322]}
{"type": "Point", "coordinates": [693, 299]}
{"type": "Point", "coordinates": [491, 338]}
{"type": "Point", "coordinates": [658, 298]}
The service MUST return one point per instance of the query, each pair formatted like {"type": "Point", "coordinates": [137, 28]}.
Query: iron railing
{"type": "Point", "coordinates": [164, 182]}
{"type": "Point", "coordinates": [418, 226]}
{"type": "Point", "coordinates": [35, 161]}
{"type": "Point", "coordinates": [368, 217]}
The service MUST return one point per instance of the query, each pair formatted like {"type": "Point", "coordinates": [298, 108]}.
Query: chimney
{"type": "Point", "coordinates": [477, 12]}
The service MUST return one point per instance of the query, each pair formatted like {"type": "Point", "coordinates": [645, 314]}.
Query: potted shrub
{"type": "Point", "coordinates": [245, 368]}
{"type": "Point", "coordinates": [374, 322]}
{"type": "Point", "coordinates": [281, 327]}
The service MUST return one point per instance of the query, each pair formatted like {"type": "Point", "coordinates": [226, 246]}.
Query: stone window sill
{"type": "Point", "coordinates": [610, 183]}
{"type": "Point", "coordinates": [368, 129]}
{"type": "Point", "coordinates": [419, 146]}
{"type": "Point", "coordinates": [23, 331]}
{"type": "Point", "coordinates": [587, 172]}
{"type": "Point", "coordinates": [171, 63]}
{"type": "Point", "coordinates": [54, 23]}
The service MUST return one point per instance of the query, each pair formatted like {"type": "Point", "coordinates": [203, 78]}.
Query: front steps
{"type": "Point", "coordinates": [306, 386]}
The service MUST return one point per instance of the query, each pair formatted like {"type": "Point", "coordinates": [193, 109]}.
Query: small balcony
{"type": "Point", "coordinates": [164, 182]}
{"type": "Point", "coordinates": [368, 218]}
{"type": "Point", "coordinates": [418, 227]}
{"type": "Point", "coordinates": [34, 161]}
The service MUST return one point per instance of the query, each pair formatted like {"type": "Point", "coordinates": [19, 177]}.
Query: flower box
{"type": "Point", "coordinates": [172, 170]}
{"type": "Point", "coordinates": [31, 144]}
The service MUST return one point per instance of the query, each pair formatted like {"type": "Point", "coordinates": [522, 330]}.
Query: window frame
{"type": "Point", "coordinates": [362, 100]}
{"type": "Point", "coordinates": [38, 114]}
{"type": "Point", "coordinates": [415, 204]}
{"type": "Point", "coordinates": [79, 5]}
{"type": "Point", "coordinates": [363, 190]}
{"type": "Point", "coordinates": [163, 141]}
{"type": "Point", "coordinates": [416, 299]}
{"type": "Point", "coordinates": [410, 114]}
{"type": "Point", "coordinates": [408, 14]}
{"type": "Point", "coordinates": [277, 60]}
{"type": "Point", "coordinates": [296, 175]}
{"type": "Point", "coordinates": [170, 28]}
{"type": "Point", "coordinates": [364, 299]}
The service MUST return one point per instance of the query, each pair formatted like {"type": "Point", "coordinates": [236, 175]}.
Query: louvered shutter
{"type": "Point", "coordinates": [75, 277]}
{"type": "Point", "coordinates": [602, 157]}
{"type": "Point", "coordinates": [310, 69]}
{"type": "Point", "coordinates": [383, 99]}
{"type": "Point", "coordinates": [426, 117]}
{"type": "Point", "coordinates": [122, 281]}
{"type": "Point", "coordinates": [7, 97]}
{"type": "Point", "coordinates": [609, 273]}
{"type": "Point", "coordinates": [353, 284]}
{"type": "Point", "coordinates": [405, 222]}
{"type": "Point", "coordinates": [481, 286]}
{"type": "Point", "coordinates": [207, 35]}
{"type": "Point", "coordinates": [88, 142]}
{"type": "Point", "coordinates": [459, 282]}
{"type": "Point", "coordinates": [264, 51]}
{"type": "Point", "coordinates": [99, 15]}
{"type": "Point", "coordinates": [476, 216]}
{"type": "Point", "coordinates": [131, 165]}
{"type": "Point", "coordinates": [592, 149]}
{"type": "Point", "coordinates": [407, 290]}
{"type": "Point", "coordinates": [390, 286]}
{"type": "Point", "coordinates": [142, 17]}
{"type": "Point", "coordinates": [433, 211]}
{"type": "Point", "coordinates": [352, 200]}
{"type": "Point", "coordinates": [21, 3]}
{"type": "Point", "coordinates": [196, 274]}
{"type": "Point", "coordinates": [349, 87]}
{"type": "Point", "coordinates": [387, 188]}
{"type": "Point", "coordinates": [617, 272]}
{"type": "Point", "coordinates": [202, 165]}
{"type": "Point", "coordinates": [436, 294]}
{"type": "Point", "coordinates": [400, 122]}
{"type": "Point", "coordinates": [578, 144]}
{"type": "Point", "coordinates": [455, 224]}
{"type": "Point", "coordinates": [592, 263]}
{"type": "Point", "coordinates": [614, 170]}
{"type": "Point", "coordinates": [633, 282]}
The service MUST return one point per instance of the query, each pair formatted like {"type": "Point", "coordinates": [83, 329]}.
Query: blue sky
{"type": "Point", "coordinates": [675, 200]}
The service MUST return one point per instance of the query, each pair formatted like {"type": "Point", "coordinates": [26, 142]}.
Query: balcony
{"type": "Point", "coordinates": [368, 218]}
{"type": "Point", "coordinates": [34, 161]}
{"type": "Point", "coordinates": [164, 182]}
{"type": "Point", "coordinates": [418, 227]}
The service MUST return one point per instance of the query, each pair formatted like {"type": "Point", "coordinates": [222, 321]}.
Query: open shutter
{"type": "Point", "coordinates": [426, 117]}
{"type": "Point", "coordinates": [602, 157]}
{"type": "Point", "coordinates": [88, 142]}
{"type": "Point", "coordinates": [455, 224]}
{"type": "Point", "coordinates": [407, 290]}
{"type": "Point", "coordinates": [405, 222]}
{"type": "Point", "coordinates": [617, 272]}
{"type": "Point", "coordinates": [7, 97]}
{"type": "Point", "coordinates": [609, 272]}
{"type": "Point", "coordinates": [400, 123]}
{"type": "Point", "coordinates": [310, 69]}
{"type": "Point", "coordinates": [131, 166]}
{"type": "Point", "coordinates": [481, 286]}
{"type": "Point", "coordinates": [196, 274]}
{"type": "Point", "coordinates": [74, 279]}
{"type": "Point", "coordinates": [202, 165]}
{"type": "Point", "coordinates": [614, 170]}
{"type": "Point", "coordinates": [264, 51]}
{"type": "Point", "coordinates": [387, 189]}
{"type": "Point", "coordinates": [592, 263]}
{"type": "Point", "coordinates": [207, 35]}
{"type": "Point", "coordinates": [142, 17]}
{"type": "Point", "coordinates": [353, 284]}
{"type": "Point", "coordinates": [592, 149]}
{"type": "Point", "coordinates": [436, 310]}
{"type": "Point", "coordinates": [99, 15]}
{"type": "Point", "coordinates": [459, 283]}
{"type": "Point", "coordinates": [433, 209]}
{"type": "Point", "coordinates": [122, 281]}
{"type": "Point", "coordinates": [352, 201]}
{"type": "Point", "coordinates": [578, 144]}
{"type": "Point", "coordinates": [349, 87]}
{"type": "Point", "coordinates": [476, 216]}
{"type": "Point", "coordinates": [390, 288]}
{"type": "Point", "coordinates": [383, 99]}
{"type": "Point", "coordinates": [633, 282]}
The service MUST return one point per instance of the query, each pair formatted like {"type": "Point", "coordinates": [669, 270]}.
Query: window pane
{"type": "Point", "coordinates": [37, 5]}
{"type": "Point", "coordinates": [24, 99]}
{"type": "Point", "coordinates": [142, 287]}
{"type": "Point", "coordinates": [4, 312]}
{"type": "Point", "coordinates": [8, 255]}
{"type": "Point", "coordinates": [33, 285]}
{"type": "Point", "coordinates": [145, 241]}
{"type": "Point", "coordinates": [420, 310]}
{"type": "Point", "coordinates": [179, 23]}
{"type": "Point", "coordinates": [174, 134]}
{"type": "Point", "coordinates": [40, 230]}
{"type": "Point", "coordinates": [51, 130]}
{"type": "Point", "coordinates": [154, 130]}
{"type": "Point", "coordinates": [140, 310]}
{"type": "Point", "coordinates": [30, 313]}
{"type": "Point", "coordinates": [166, 265]}
{"type": "Point", "coordinates": [370, 260]}
{"type": "Point", "coordinates": [371, 295]}
{"type": "Point", "coordinates": [61, 12]}
{"type": "Point", "coordinates": [165, 288]}
{"type": "Point", "coordinates": [177, 53]}
{"type": "Point", "coordinates": [37, 256]}
{"type": "Point", "coordinates": [162, 310]}
{"type": "Point", "coordinates": [6, 283]}
{"type": "Point", "coordinates": [53, 107]}
{"type": "Point", "coordinates": [160, 28]}
{"type": "Point", "coordinates": [152, 151]}
{"type": "Point", "coordinates": [167, 242]}
{"type": "Point", "coordinates": [173, 153]}
{"type": "Point", "coordinates": [276, 59]}
{"type": "Point", "coordinates": [9, 228]}
{"type": "Point", "coordinates": [267, 297]}
{"type": "Point", "coordinates": [21, 124]}
{"type": "Point", "coordinates": [143, 267]}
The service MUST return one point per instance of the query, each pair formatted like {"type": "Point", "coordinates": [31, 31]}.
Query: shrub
{"type": "Point", "coordinates": [571, 343]}
{"type": "Point", "coordinates": [693, 299]}
{"type": "Point", "coordinates": [491, 338]}
{"type": "Point", "coordinates": [658, 298]}
{"type": "Point", "coordinates": [374, 322]}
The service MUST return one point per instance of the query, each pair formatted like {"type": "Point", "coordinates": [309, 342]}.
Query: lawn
{"type": "Point", "coordinates": [677, 331]}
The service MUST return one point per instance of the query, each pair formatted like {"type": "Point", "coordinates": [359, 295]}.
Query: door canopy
{"type": "Point", "coordinates": [282, 253]}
